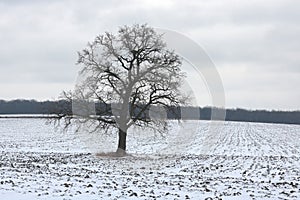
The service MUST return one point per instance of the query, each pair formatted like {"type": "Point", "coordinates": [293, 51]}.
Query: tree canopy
{"type": "Point", "coordinates": [131, 71]}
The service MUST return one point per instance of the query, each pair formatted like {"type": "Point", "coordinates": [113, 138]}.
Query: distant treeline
{"type": "Point", "coordinates": [30, 107]}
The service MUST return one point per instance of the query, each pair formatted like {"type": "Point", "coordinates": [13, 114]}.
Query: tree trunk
{"type": "Point", "coordinates": [121, 151]}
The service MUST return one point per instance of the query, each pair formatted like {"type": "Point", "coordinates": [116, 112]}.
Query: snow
{"type": "Point", "coordinates": [194, 161]}
{"type": "Point", "coordinates": [11, 195]}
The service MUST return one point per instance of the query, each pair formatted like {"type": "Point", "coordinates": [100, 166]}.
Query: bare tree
{"type": "Point", "coordinates": [130, 71]}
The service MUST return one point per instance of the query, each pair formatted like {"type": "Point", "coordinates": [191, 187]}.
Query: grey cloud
{"type": "Point", "coordinates": [275, 12]}
{"type": "Point", "coordinates": [39, 39]}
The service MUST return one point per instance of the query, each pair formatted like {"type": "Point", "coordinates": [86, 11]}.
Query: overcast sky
{"type": "Point", "coordinates": [255, 45]}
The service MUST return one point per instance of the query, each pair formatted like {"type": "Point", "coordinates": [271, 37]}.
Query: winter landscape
{"type": "Point", "coordinates": [240, 161]}
{"type": "Point", "coordinates": [115, 75]}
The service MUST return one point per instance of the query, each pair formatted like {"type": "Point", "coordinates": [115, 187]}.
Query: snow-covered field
{"type": "Point", "coordinates": [239, 161]}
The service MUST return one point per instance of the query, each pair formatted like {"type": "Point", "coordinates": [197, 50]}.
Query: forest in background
{"type": "Point", "coordinates": [31, 107]}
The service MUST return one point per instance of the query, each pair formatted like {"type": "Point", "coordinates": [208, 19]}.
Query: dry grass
{"type": "Point", "coordinates": [111, 154]}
